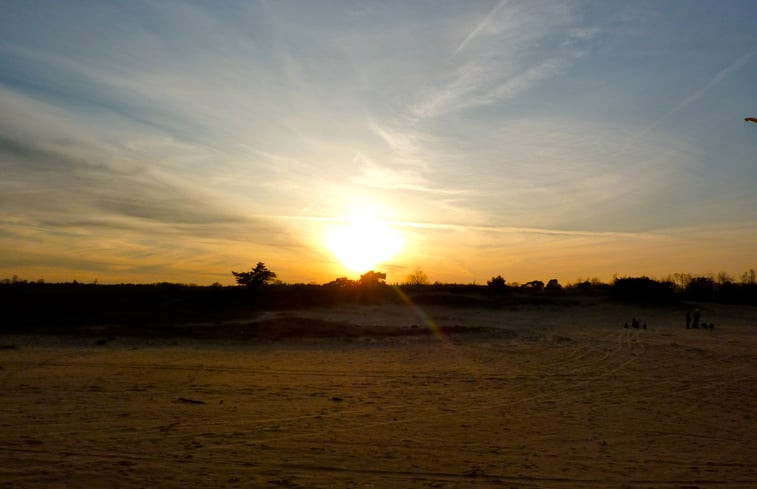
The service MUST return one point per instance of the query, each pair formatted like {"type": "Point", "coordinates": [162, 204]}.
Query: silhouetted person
{"type": "Point", "coordinates": [688, 319]}
{"type": "Point", "coordinates": [696, 319]}
{"type": "Point", "coordinates": [644, 326]}
{"type": "Point", "coordinates": [635, 323]}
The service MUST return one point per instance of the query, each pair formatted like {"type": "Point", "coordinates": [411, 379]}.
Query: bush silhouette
{"type": "Point", "coordinates": [553, 286]}
{"type": "Point", "coordinates": [535, 285]}
{"type": "Point", "coordinates": [643, 289]}
{"type": "Point", "coordinates": [496, 282]}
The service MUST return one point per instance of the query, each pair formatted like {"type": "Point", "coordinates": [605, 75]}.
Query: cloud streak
{"type": "Point", "coordinates": [481, 25]}
{"type": "Point", "coordinates": [509, 57]}
{"type": "Point", "coordinates": [239, 133]}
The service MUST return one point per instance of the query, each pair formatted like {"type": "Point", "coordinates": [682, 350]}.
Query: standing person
{"type": "Point", "coordinates": [688, 319]}
{"type": "Point", "coordinates": [696, 318]}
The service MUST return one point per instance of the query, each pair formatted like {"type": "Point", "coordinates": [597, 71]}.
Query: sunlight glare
{"type": "Point", "coordinates": [363, 242]}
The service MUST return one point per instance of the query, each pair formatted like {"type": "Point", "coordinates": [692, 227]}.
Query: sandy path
{"type": "Point", "coordinates": [588, 407]}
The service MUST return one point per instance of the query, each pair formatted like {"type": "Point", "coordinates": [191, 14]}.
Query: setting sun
{"type": "Point", "coordinates": [362, 242]}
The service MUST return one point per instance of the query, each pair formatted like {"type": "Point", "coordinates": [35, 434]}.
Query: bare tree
{"type": "Point", "coordinates": [418, 277]}
{"type": "Point", "coordinates": [749, 277]}
{"type": "Point", "coordinates": [724, 278]}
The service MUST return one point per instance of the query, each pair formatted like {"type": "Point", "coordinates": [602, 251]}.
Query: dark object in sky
{"type": "Point", "coordinates": [750, 119]}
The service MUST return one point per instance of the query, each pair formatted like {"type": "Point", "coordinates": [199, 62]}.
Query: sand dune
{"type": "Point", "coordinates": [563, 397]}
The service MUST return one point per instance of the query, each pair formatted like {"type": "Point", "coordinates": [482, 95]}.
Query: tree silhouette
{"type": "Point", "coordinates": [496, 282]}
{"type": "Point", "coordinates": [417, 278]}
{"type": "Point", "coordinates": [749, 277]}
{"type": "Point", "coordinates": [372, 279]}
{"type": "Point", "coordinates": [256, 277]}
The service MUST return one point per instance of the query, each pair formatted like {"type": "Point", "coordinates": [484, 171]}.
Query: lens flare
{"type": "Point", "coordinates": [428, 321]}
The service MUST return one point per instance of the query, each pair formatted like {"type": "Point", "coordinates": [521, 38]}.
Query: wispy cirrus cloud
{"type": "Point", "coordinates": [374, 175]}
{"type": "Point", "coordinates": [510, 50]}
{"type": "Point", "coordinates": [66, 181]}
{"type": "Point", "coordinates": [187, 129]}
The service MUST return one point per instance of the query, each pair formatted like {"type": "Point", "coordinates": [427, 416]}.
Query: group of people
{"type": "Point", "coordinates": [692, 321]}
{"type": "Point", "coordinates": [636, 324]}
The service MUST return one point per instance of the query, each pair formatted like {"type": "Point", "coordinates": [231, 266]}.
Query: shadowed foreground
{"type": "Point", "coordinates": [574, 406]}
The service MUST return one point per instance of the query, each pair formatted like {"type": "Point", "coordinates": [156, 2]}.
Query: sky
{"type": "Point", "coordinates": [178, 141]}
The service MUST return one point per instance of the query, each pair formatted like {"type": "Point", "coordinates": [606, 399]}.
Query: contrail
{"type": "Point", "coordinates": [736, 65]}
{"type": "Point", "coordinates": [720, 76]}
{"type": "Point", "coordinates": [480, 26]}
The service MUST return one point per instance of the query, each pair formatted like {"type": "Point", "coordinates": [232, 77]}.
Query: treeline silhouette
{"type": "Point", "coordinates": [58, 306]}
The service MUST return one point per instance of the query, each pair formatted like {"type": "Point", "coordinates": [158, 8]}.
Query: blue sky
{"type": "Point", "coordinates": [150, 141]}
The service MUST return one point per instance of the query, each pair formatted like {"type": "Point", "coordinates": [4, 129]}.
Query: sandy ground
{"type": "Point", "coordinates": [570, 400]}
